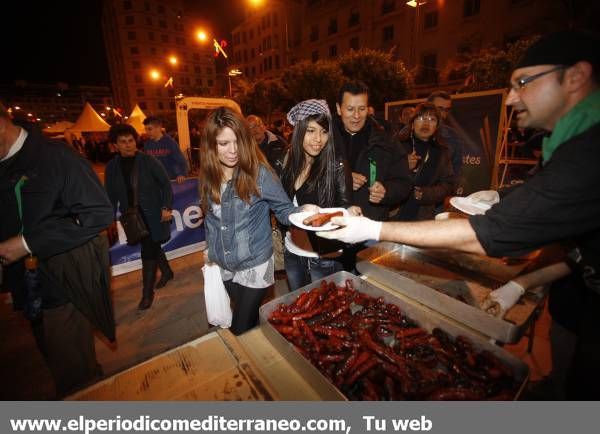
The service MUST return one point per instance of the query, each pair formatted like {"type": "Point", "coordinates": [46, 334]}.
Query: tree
{"type": "Point", "coordinates": [264, 97]}
{"type": "Point", "coordinates": [388, 79]}
{"type": "Point", "coordinates": [490, 68]}
{"type": "Point", "coordinates": [306, 80]}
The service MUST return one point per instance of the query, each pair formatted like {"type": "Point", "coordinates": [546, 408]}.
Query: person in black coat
{"type": "Point", "coordinates": [62, 210]}
{"type": "Point", "coordinates": [154, 198]}
{"type": "Point", "coordinates": [429, 160]}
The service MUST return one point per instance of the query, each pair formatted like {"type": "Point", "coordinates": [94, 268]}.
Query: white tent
{"type": "Point", "coordinates": [136, 119]}
{"type": "Point", "coordinates": [88, 121]}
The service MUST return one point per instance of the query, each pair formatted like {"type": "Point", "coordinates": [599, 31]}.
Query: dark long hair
{"type": "Point", "coordinates": [249, 157]}
{"type": "Point", "coordinates": [425, 108]}
{"type": "Point", "coordinates": [321, 176]}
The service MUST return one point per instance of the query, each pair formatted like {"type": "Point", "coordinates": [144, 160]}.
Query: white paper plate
{"type": "Point", "coordinates": [467, 206]}
{"type": "Point", "coordinates": [299, 217]}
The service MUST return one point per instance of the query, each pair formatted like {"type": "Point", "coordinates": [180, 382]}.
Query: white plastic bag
{"type": "Point", "coordinates": [218, 309]}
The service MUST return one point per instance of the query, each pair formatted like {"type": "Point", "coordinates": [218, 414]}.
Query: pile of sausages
{"type": "Point", "coordinates": [371, 351]}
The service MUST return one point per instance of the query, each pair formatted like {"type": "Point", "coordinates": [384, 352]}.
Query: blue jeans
{"type": "Point", "coordinates": [301, 270]}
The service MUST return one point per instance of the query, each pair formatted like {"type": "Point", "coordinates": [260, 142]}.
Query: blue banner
{"type": "Point", "coordinates": [187, 231]}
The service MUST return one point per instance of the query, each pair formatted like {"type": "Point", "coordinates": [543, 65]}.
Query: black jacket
{"type": "Point", "coordinates": [64, 206]}
{"type": "Point", "coordinates": [275, 149]}
{"type": "Point", "coordinates": [390, 159]}
{"type": "Point", "coordinates": [435, 178]}
{"type": "Point", "coordinates": [154, 192]}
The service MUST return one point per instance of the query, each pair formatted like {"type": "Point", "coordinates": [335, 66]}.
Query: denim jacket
{"type": "Point", "coordinates": [241, 238]}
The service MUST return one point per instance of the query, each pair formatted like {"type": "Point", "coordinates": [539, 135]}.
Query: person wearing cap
{"type": "Point", "coordinates": [555, 87]}
{"type": "Point", "coordinates": [313, 174]}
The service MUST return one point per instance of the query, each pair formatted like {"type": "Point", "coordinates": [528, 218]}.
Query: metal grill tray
{"type": "Point", "coordinates": [424, 317]}
{"type": "Point", "coordinates": [451, 283]}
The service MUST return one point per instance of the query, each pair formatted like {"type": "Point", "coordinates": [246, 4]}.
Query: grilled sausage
{"type": "Point", "coordinates": [320, 219]}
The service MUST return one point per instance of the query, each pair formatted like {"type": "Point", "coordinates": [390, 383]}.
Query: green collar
{"type": "Point", "coordinates": [580, 118]}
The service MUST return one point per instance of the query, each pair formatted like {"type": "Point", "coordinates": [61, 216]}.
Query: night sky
{"type": "Point", "coordinates": [52, 41]}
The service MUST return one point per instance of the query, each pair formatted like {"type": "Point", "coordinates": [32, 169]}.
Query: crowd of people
{"type": "Point", "coordinates": [377, 173]}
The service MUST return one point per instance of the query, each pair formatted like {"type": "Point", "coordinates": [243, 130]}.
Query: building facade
{"type": "Point", "coordinates": [153, 54]}
{"type": "Point", "coordinates": [424, 36]}
{"type": "Point", "coordinates": [268, 39]}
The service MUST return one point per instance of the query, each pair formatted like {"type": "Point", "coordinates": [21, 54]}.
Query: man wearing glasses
{"type": "Point", "coordinates": [554, 87]}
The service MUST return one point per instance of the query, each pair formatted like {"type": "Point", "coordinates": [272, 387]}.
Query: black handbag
{"type": "Point", "coordinates": [132, 221]}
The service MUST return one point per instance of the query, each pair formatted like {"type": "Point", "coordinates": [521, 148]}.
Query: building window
{"type": "Point", "coordinates": [129, 20]}
{"type": "Point", "coordinates": [147, 6]}
{"type": "Point", "coordinates": [158, 92]}
{"type": "Point", "coordinates": [153, 51]}
{"type": "Point", "coordinates": [244, 37]}
{"type": "Point", "coordinates": [162, 24]}
{"type": "Point", "coordinates": [333, 51]}
{"type": "Point", "coordinates": [161, 9]}
{"type": "Point", "coordinates": [210, 82]}
{"type": "Point", "coordinates": [354, 19]}
{"type": "Point", "coordinates": [388, 33]}
{"type": "Point", "coordinates": [131, 36]}
{"type": "Point", "coordinates": [315, 55]}
{"type": "Point", "coordinates": [388, 6]}
{"type": "Point", "coordinates": [161, 105]}
{"type": "Point", "coordinates": [209, 71]}
{"type": "Point", "coordinates": [252, 56]}
{"type": "Point", "coordinates": [251, 34]}
{"type": "Point", "coordinates": [333, 27]}
{"type": "Point", "coordinates": [198, 81]}
{"type": "Point", "coordinates": [431, 20]}
{"type": "Point", "coordinates": [127, 5]}
{"type": "Point", "coordinates": [314, 32]}
{"type": "Point", "coordinates": [245, 55]}
{"type": "Point", "coordinates": [253, 71]}
{"type": "Point", "coordinates": [354, 43]}
{"type": "Point", "coordinates": [197, 70]}
{"type": "Point", "coordinates": [276, 62]}
{"type": "Point", "coordinates": [135, 64]}
{"type": "Point", "coordinates": [137, 78]}
{"type": "Point", "coordinates": [164, 38]}
{"type": "Point", "coordinates": [134, 50]}
{"type": "Point", "coordinates": [275, 19]}
{"type": "Point", "coordinates": [149, 21]}
{"type": "Point", "coordinates": [470, 8]}
{"type": "Point", "coordinates": [143, 105]}
{"type": "Point", "coordinates": [172, 105]}
{"type": "Point", "coordinates": [140, 92]}
{"type": "Point", "coordinates": [151, 36]}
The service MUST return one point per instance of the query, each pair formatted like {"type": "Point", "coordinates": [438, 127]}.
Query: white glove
{"type": "Point", "coordinates": [502, 299]}
{"type": "Point", "coordinates": [355, 230]}
{"type": "Point", "coordinates": [486, 197]}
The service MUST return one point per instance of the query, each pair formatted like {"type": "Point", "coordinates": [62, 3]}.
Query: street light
{"type": "Point", "coordinates": [201, 35]}
{"type": "Point", "coordinates": [154, 74]}
{"type": "Point", "coordinates": [173, 60]}
{"type": "Point", "coordinates": [232, 73]}
{"type": "Point", "coordinates": [413, 46]}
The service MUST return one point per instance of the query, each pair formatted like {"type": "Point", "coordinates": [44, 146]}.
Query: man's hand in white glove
{"type": "Point", "coordinates": [354, 230]}
{"type": "Point", "coordinates": [502, 299]}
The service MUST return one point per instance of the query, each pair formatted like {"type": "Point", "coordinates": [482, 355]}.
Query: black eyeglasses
{"type": "Point", "coordinates": [522, 82]}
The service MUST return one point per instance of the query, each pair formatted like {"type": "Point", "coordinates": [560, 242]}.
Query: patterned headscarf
{"type": "Point", "coordinates": [306, 108]}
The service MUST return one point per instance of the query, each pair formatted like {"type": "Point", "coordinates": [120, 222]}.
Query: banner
{"type": "Point", "coordinates": [476, 118]}
{"type": "Point", "coordinates": [187, 231]}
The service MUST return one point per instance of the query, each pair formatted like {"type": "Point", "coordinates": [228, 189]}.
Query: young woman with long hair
{"type": "Point", "coordinates": [238, 189]}
{"type": "Point", "coordinates": [313, 174]}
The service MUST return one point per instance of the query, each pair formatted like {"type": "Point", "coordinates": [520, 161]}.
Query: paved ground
{"type": "Point", "coordinates": [177, 316]}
